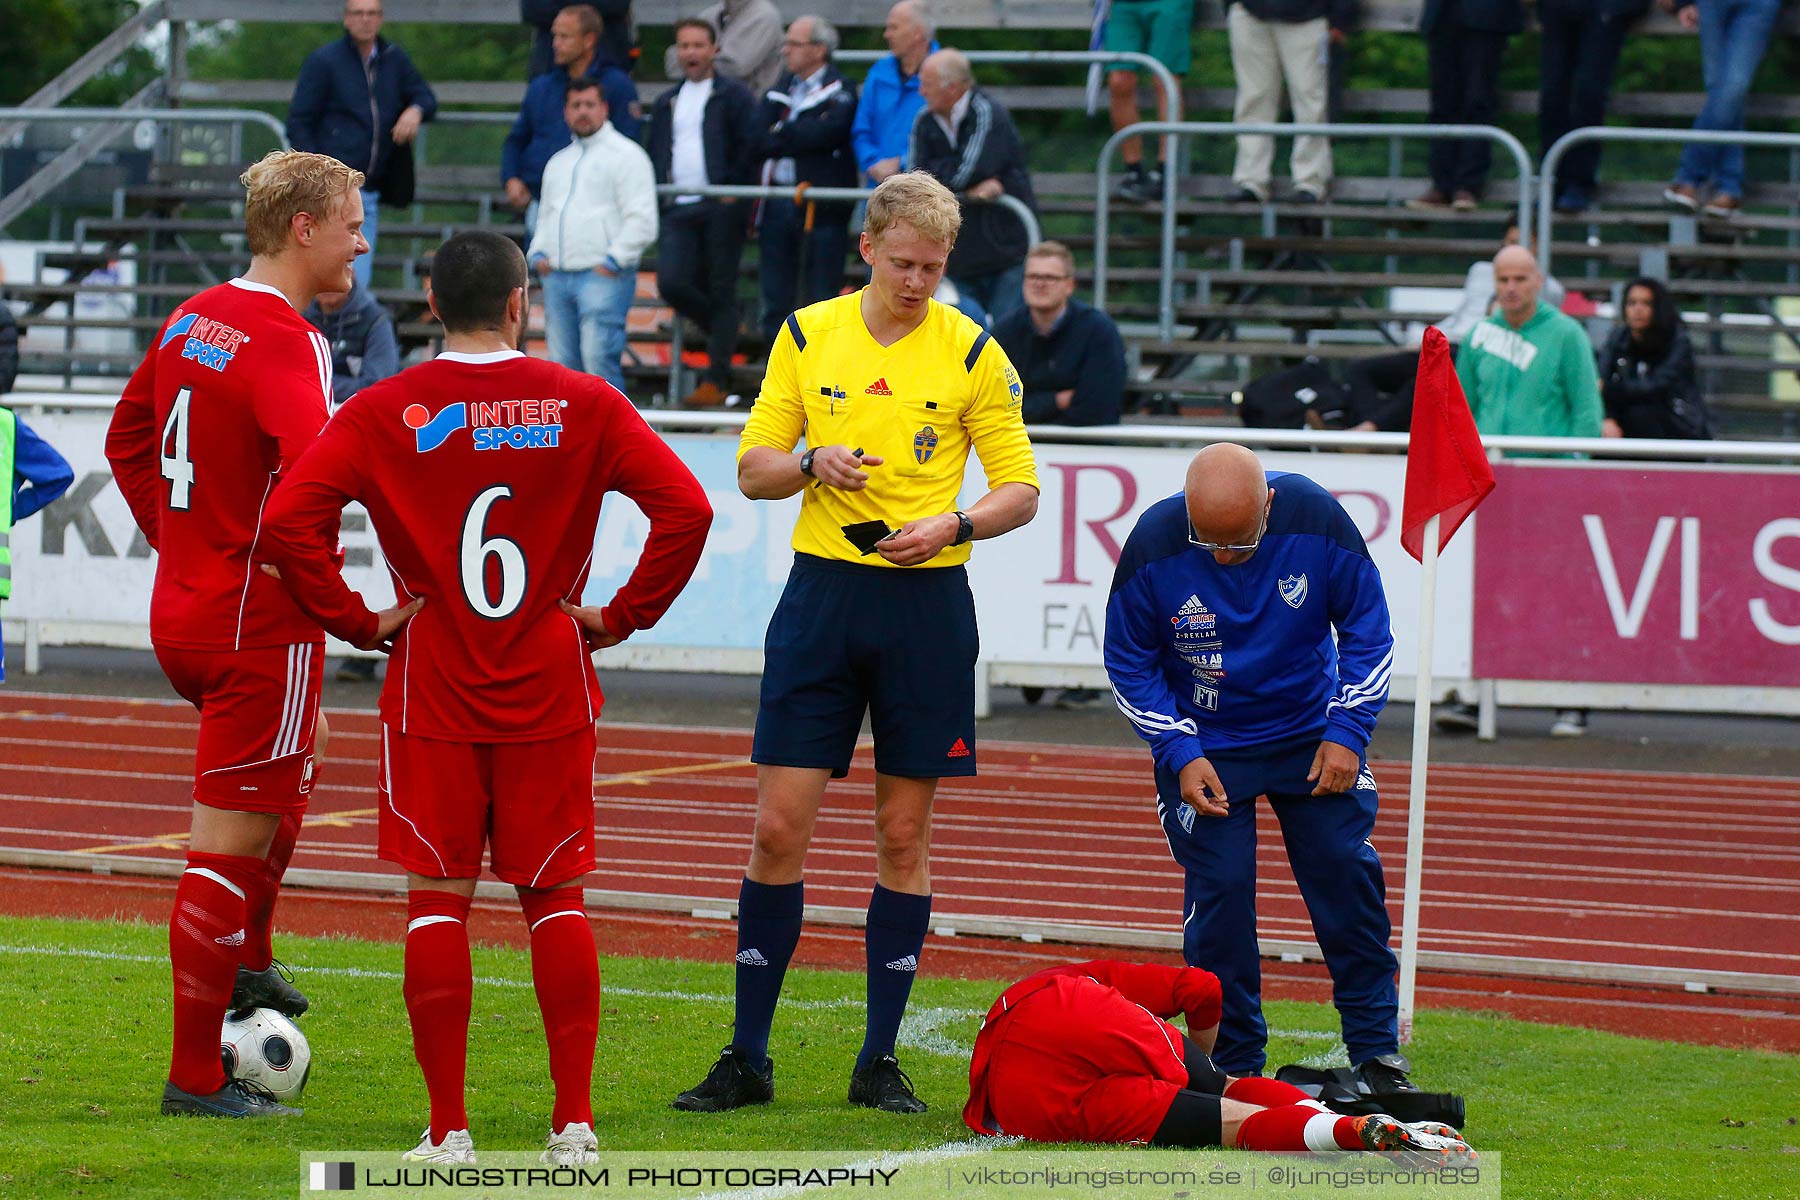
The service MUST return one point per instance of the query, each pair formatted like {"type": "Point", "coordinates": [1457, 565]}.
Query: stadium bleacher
{"type": "Point", "coordinates": [1256, 287]}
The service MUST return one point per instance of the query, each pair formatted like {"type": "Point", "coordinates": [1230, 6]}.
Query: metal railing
{"type": "Point", "coordinates": [1171, 181]}
{"type": "Point", "coordinates": [1608, 133]}
{"type": "Point", "coordinates": [110, 123]}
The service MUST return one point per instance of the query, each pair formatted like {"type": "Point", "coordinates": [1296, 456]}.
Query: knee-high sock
{"type": "Point", "coordinates": [1308, 1126]}
{"type": "Point", "coordinates": [892, 941]}
{"type": "Point", "coordinates": [1265, 1093]}
{"type": "Point", "coordinates": [768, 930]}
{"type": "Point", "coordinates": [438, 987]}
{"type": "Point", "coordinates": [260, 896]}
{"type": "Point", "coordinates": [206, 931]}
{"type": "Point", "coordinates": [566, 971]}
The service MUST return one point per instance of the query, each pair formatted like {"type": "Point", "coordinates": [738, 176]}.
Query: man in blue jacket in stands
{"type": "Point", "coordinates": [540, 131]}
{"type": "Point", "coordinates": [1220, 648]}
{"type": "Point", "coordinates": [359, 99]}
{"type": "Point", "coordinates": [890, 95]}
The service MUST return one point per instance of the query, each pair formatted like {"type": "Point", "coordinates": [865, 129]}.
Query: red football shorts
{"type": "Point", "coordinates": [1078, 1062]}
{"type": "Point", "coordinates": [259, 710]}
{"type": "Point", "coordinates": [530, 803]}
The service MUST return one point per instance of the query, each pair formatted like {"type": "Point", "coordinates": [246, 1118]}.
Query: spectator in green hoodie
{"type": "Point", "coordinates": [1528, 369]}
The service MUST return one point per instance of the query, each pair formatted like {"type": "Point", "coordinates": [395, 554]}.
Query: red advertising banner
{"type": "Point", "coordinates": [1637, 573]}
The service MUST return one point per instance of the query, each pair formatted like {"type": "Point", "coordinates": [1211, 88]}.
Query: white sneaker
{"type": "Point", "coordinates": [457, 1147]}
{"type": "Point", "coordinates": [1569, 723]}
{"type": "Point", "coordinates": [575, 1146]}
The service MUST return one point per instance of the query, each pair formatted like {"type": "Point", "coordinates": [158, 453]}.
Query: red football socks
{"type": "Point", "coordinates": [438, 987]}
{"type": "Point", "coordinates": [1290, 1120]}
{"type": "Point", "coordinates": [206, 932]}
{"type": "Point", "coordinates": [1265, 1093]}
{"type": "Point", "coordinates": [566, 971]}
{"type": "Point", "coordinates": [260, 896]}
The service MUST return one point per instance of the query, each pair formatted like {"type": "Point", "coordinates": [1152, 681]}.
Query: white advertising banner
{"type": "Point", "coordinates": [83, 569]}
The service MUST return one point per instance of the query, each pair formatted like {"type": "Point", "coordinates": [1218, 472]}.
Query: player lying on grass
{"type": "Point", "coordinates": [483, 472]}
{"type": "Point", "coordinates": [1082, 1053]}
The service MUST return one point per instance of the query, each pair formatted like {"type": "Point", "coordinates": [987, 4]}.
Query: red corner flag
{"type": "Point", "coordinates": [1447, 471]}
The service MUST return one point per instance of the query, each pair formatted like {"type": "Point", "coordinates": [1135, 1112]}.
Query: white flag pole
{"type": "Point", "coordinates": [1421, 753]}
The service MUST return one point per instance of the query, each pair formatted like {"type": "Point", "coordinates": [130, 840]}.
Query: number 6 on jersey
{"type": "Point", "coordinates": [474, 555]}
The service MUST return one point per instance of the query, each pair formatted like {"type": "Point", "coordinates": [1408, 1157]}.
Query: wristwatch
{"type": "Point", "coordinates": [965, 527]}
{"type": "Point", "coordinates": [806, 461]}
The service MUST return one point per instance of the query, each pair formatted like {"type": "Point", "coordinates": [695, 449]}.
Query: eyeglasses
{"type": "Point", "coordinates": [1224, 548]}
{"type": "Point", "coordinates": [1047, 278]}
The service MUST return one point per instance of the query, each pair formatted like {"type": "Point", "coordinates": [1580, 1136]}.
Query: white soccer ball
{"type": "Point", "coordinates": [264, 1047]}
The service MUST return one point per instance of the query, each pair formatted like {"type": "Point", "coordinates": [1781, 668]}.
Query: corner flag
{"type": "Point", "coordinates": [1447, 471]}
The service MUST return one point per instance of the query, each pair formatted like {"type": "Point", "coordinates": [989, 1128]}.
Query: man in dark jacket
{"type": "Point", "coordinates": [968, 140]}
{"type": "Point", "coordinates": [540, 130]}
{"type": "Point", "coordinates": [358, 99]}
{"type": "Point", "coordinates": [805, 125]}
{"type": "Point", "coordinates": [1464, 40]}
{"type": "Point", "coordinates": [1582, 41]}
{"type": "Point", "coordinates": [703, 133]}
{"type": "Point", "coordinates": [1070, 357]}
{"type": "Point", "coordinates": [618, 40]}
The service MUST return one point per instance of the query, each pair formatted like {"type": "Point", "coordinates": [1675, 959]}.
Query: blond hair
{"type": "Point", "coordinates": [918, 199]}
{"type": "Point", "coordinates": [1054, 250]}
{"type": "Point", "coordinates": [284, 183]}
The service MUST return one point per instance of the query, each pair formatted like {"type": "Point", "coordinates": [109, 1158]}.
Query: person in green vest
{"type": "Point", "coordinates": [36, 475]}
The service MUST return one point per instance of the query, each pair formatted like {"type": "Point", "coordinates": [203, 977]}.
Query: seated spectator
{"type": "Point", "coordinates": [1734, 36]}
{"type": "Point", "coordinates": [1581, 45]}
{"type": "Point", "coordinates": [1070, 357]}
{"type": "Point", "coordinates": [618, 40]}
{"type": "Point", "coordinates": [598, 218]}
{"type": "Point", "coordinates": [1163, 28]}
{"type": "Point", "coordinates": [1647, 380]}
{"type": "Point", "coordinates": [1277, 42]}
{"type": "Point", "coordinates": [968, 141]}
{"type": "Point", "coordinates": [361, 101]}
{"type": "Point", "coordinates": [1464, 42]}
{"type": "Point", "coordinates": [364, 350]}
{"type": "Point", "coordinates": [701, 133]}
{"type": "Point", "coordinates": [748, 33]}
{"type": "Point", "coordinates": [540, 130]}
{"type": "Point", "coordinates": [805, 126]}
{"type": "Point", "coordinates": [890, 95]}
{"type": "Point", "coordinates": [948, 293]}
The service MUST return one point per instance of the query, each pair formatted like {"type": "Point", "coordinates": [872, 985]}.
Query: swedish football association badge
{"type": "Point", "coordinates": [925, 444]}
{"type": "Point", "coordinates": [1292, 589]}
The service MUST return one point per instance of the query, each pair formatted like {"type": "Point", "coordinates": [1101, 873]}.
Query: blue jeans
{"type": "Point", "coordinates": [584, 320]}
{"type": "Point", "coordinates": [365, 263]}
{"type": "Point", "coordinates": [1000, 292]}
{"type": "Point", "coordinates": [1734, 34]}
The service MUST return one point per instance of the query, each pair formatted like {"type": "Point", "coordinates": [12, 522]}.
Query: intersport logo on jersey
{"type": "Point", "coordinates": [493, 424]}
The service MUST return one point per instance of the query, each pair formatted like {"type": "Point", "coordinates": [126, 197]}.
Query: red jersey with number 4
{"type": "Point", "coordinates": [235, 387]}
{"type": "Point", "coordinates": [483, 476]}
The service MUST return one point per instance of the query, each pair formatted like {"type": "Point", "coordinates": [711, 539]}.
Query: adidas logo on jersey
{"type": "Point", "coordinates": [231, 939]}
{"type": "Point", "coordinates": [1191, 608]}
{"type": "Point", "coordinates": [752, 958]}
{"type": "Point", "coordinates": [909, 963]}
{"type": "Point", "coordinates": [878, 388]}
{"type": "Point", "coordinates": [959, 750]}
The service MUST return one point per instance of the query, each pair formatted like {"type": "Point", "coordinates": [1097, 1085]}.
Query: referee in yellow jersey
{"type": "Point", "coordinates": [891, 391]}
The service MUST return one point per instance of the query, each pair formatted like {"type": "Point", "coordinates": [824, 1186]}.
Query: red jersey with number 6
{"type": "Point", "coordinates": [483, 476]}
{"type": "Point", "coordinates": [236, 385]}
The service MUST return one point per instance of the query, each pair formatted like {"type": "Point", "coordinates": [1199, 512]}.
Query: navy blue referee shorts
{"type": "Point", "coordinates": [899, 644]}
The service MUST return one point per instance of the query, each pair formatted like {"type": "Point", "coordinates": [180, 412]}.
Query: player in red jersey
{"type": "Point", "coordinates": [234, 388]}
{"type": "Point", "coordinates": [483, 472]}
{"type": "Point", "coordinates": [1084, 1053]}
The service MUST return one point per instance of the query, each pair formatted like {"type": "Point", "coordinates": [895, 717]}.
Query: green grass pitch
{"type": "Point", "coordinates": [83, 1054]}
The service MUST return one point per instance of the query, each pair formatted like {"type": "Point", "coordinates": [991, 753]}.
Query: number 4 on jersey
{"type": "Point", "coordinates": [177, 467]}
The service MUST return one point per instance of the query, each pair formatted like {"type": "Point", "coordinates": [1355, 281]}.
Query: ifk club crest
{"type": "Point", "coordinates": [1292, 589]}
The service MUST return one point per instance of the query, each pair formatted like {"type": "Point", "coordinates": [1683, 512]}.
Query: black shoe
{"type": "Point", "coordinates": [1245, 195]}
{"type": "Point", "coordinates": [732, 1083]}
{"type": "Point", "coordinates": [238, 1098]}
{"type": "Point", "coordinates": [1133, 188]}
{"type": "Point", "coordinates": [1459, 718]}
{"type": "Point", "coordinates": [1385, 1075]}
{"type": "Point", "coordinates": [271, 987]}
{"type": "Point", "coordinates": [356, 670]}
{"type": "Point", "coordinates": [882, 1084]}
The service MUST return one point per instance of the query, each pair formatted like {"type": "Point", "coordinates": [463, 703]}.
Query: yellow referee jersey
{"type": "Point", "coordinates": [920, 404]}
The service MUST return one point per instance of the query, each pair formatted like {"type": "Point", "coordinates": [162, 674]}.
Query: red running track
{"type": "Point", "coordinates": [1690, 873]}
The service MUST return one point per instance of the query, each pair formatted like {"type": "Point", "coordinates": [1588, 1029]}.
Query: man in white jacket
{"type": "Point", "coordinates": [596, 216]}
